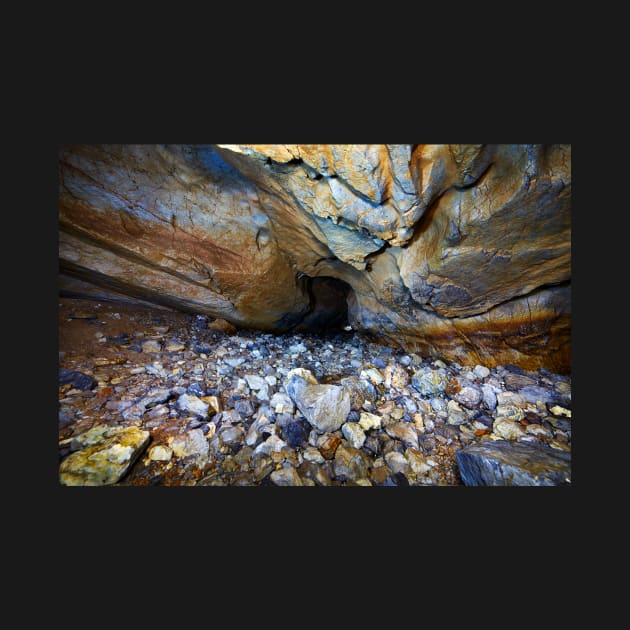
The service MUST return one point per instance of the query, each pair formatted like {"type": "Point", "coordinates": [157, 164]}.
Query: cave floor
{"type": "Point", "coordinates": [150, 396]}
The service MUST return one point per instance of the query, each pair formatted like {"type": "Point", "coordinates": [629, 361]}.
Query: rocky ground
{"type": "Point", "coordinates": [150, 396]}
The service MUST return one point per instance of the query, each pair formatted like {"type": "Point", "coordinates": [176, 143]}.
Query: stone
{"type": "Point", "coordinates": [106, 460]}
{"type": "Point", "coordinates": [151, 346]}
{"type": "Point", "coordinates": [273, 444]}
{"type": "Point", "coordinates": [286, 477]}
{"type": "Point", "coordinates": [193, 442]}
{"type": "Point", "coordinates": [245, 408]}
{"type": "Point", "coordinates": [372, 375]}
{"type": "Point", "coordinates": [312, 454]}
{"type": "Point", "coordinates": [295, 433]}
{"type": "Point", "coordinates": [397, 462]}
{"type": "Point", "coordinates": [396, 376]}
{"type": "Point", "coordinates": [507, 429]}
{"type": "Point", "coordinates": [429, 382]}
{"type": "Point", "coordinates": [456, 415]}
{"type": "Point", "coordinates": [369, 421]}
{"type": "Point", "coordinates": [353, 432]}
{"type": "Point", "coordinates": [502, 463]}
{"type": "Point", "coordinates": [327, 445]}
{"type": "Point", "coordinates": [160, 453]}
{"type": "Point", "coordinates": [232, 434]}
{"type": "Point", "coordinates": [350, 464]}
{"type": "Point", "coordinates": [403, 431]}
{"type": "Point", "coordinates": [307, 375]}
{"type": "Point", "coordinates": [326, 407]}
{"type": "Point", "coordinates": [193, 404]}
{"type": "Point", "coordinates": [481, 371]}
{"type": "Point", "coordinates": [78, 380]}
{"type": "Point", "coordinates": [282, 403]}
{"type": "Point", "coordinates": [417, 462]}
{"type": "Point", "coordinates": [489, 396]}
{"type": "Point", "coordinates": [255, 382]}
{"type": "Point", "coordinates": [470, 396]}
{"type": "Point", "coordinates": [359, 390]}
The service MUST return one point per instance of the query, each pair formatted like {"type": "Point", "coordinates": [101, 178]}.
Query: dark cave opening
{"type": "Point", "coordinates": [328, 305]}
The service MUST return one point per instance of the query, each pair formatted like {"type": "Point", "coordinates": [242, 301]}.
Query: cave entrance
{"type": "Point", "coordinates": [329, 306]}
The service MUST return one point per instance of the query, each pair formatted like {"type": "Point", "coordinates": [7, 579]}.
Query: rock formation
{"type": "Point", "coordinates": [456, 251]}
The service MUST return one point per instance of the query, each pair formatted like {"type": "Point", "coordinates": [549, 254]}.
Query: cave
{"type": "Point", "coordinates": [314, 315]}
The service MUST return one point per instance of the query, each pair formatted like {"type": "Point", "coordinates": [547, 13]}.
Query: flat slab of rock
{"type": "Point", "coordinates": [503, 463]}
{"type": "Point", "coordinates": [106, 460]}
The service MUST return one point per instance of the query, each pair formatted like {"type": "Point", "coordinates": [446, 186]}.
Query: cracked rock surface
{"type": "Point", "coordinates": [455, 251]}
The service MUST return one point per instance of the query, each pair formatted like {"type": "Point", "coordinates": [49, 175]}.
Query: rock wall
{"type": "Point", "coordinates": [456, 251]}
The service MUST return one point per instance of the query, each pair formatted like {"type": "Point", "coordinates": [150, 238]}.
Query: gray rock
{"type": "Point", "coordinates": [456, 415]}
{"type": "Point", "coordinates": [405, 360]}
{"type": "Point", "coordinates": [286, 477]}
{"type": "Point", "coordinates": [535, 393]}
{"type": "Point", "coordinates": [192, 404]}
{"type": "Point", "coordinates": [481, 371]}
{"type": "Point", "coordinates": [326, 407]}
{"type": "Point", "coordinates": [255, 382]}
{"type": "Point", "coordinates": [245, 408]}
{"type": "Point", "coordinates": [430, 382]}
{"type": "Point", "coordinates": [235, 362]}
{"type": "Point", "coordinates": [489, 396]}
{"type": "Point", "coordinates": [501, 463]}
{"type": "Point", "coordinates": [282, 403]}
{"type": "Point", "coordinates": [469, 396]}
{"type": "Point", "coordinates": [353, 432]}
{"type": "Point", "coordinates": [230, 435]}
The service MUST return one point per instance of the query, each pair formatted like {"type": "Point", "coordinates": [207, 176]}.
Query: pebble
{"type": "Point", "coordinates": [193, 404]}
{"type": "Point", "coordinates": [251, 408]}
